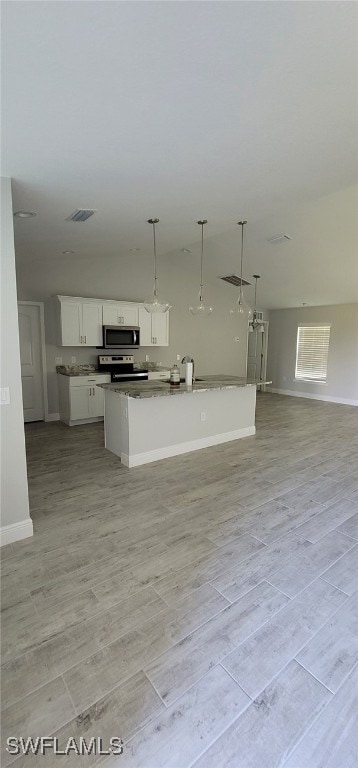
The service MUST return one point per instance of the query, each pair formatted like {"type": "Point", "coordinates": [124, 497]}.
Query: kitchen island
{"type": "Point", "coordinates": [152, 420]}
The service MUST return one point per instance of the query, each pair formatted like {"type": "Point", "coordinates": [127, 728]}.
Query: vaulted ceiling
{"type": "Point", "coordinates": [182, 110]}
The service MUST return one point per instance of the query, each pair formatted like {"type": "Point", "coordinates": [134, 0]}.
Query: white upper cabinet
{"type": "Point", "coordinates": [154, 328]}
{"type": "Point", "coordinates": [119, 313]}
{"type": "Point", "coordinates": [70, 323]}
{"type": "Point", "coordinates": [145, 328]}
{"type": "Point", "coordinates": [92, 333]}
{"type": "Point", "coordinates": [80, 322]}
{"type": "Point", "coordinates": [160, 329]}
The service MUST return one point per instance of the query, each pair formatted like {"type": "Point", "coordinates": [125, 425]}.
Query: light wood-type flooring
{"type": "Point", "coordinates": [202, 608]}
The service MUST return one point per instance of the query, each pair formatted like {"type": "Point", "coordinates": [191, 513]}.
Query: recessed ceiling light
{"type": "Point", "coordinates": [134, 250]}
{"type": "Point", "coordinates": [24, 214]}
{"type": "Point", "coordinates": [67, 252]}
{"type": "Point", "coordinates": [185, 250]}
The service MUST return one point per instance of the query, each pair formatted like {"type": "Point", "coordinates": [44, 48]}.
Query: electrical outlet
{"type": "Point", "coordinates": [73, 359]}
{"type": "Point", "coordinates": [178, 358]}
{"type": "Point", "coordinates": [58, 360]}
{"type": "Point", "coordinates": [203, 416]}
{"type": "Point", "coordinates": [147, 358]}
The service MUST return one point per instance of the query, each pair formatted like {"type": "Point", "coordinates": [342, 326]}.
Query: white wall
{"type": "Point", "coordinates": [15, 517]}
{"type": "Point", "coordinates": [210, 341]}
{"type": "Point", "coordinates": [342, 370]}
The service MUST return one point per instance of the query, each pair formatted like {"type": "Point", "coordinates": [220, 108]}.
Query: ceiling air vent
{"type": "Point", "coordinates": [81, 214]}
{"type": "Point", "coordinates": [234, 280]}
{"type": "Point", "coordinates": [279, 238]}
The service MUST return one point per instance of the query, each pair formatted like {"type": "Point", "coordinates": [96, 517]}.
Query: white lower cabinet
{"type": "Point", "coordinates": [81, 401]}
{"type": "Point", "coordinates": [154, 328]}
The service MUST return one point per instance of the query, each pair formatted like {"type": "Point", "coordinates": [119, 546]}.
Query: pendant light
{"type": "Point", "coordinates": [155, 304]}
{"type": "Point", "coordinates": [201, 308]}
{"type": "Point", "coordinates": [256, 324]}
{"type": "Point", "coordinates": [241, 308]}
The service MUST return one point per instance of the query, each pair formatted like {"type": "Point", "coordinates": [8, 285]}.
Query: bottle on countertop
{"type": "Point", "coordinates": [174, 375]}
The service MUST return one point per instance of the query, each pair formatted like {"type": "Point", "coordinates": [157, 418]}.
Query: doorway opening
{"type": "Point", "coordinates": [257, 355]}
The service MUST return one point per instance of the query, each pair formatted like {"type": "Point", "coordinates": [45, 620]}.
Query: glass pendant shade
{"type": "Point", "coordinates": [241, 307]}
{"type": "Point", "coordinates": [155, 304]}
{"type": "Point", "coordinates": [201, 309]}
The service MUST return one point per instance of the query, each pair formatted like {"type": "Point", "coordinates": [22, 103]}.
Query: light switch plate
{"type": "Point", "coordinates": [5, 395]}
{"type": "Point", "coordinates": [237, 338]}
{"type": "Point", "coordinates": [147, 358]}
{"type": "Point", "coordinates": [178, 358]}
{"type": "Point", "coordinates": [58, 360]}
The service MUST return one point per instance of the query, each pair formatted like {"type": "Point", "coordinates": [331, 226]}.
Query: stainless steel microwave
{"type": "Point", "coordinates": [121, 337]}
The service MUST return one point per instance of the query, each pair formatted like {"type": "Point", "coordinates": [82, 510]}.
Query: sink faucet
{"type": "Point", "coordinates": [187, 360]}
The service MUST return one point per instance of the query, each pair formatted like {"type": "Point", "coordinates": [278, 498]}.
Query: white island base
{"type": "Point", "coordinates": [140, 431]}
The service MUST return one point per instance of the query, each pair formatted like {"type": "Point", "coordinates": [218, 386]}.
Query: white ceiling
{"type": "Point", "coordinates": [183, 110]}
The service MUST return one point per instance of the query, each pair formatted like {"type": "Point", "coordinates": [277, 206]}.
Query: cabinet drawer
{"type": "Point", "coordinates": [82, 381]}
{"type": "Point", "coordinates": [159, 375]}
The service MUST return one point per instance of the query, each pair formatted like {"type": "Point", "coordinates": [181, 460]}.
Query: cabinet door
{"type": "Point", "coordinates": [97, 401]}
{"type": "Point", "coordinates": [80, 403]}
{"type": "Point", "coordinates": [160, 329]}
{"type": "Point", "coordinates": [71, 323]}
{"type": "Point", "coordinates": [112, 314]}
{"type": "Point", "coordinates": [92, 335]}
{"type": "Point", "coordinates": [129, 313]}
{"type": "Point", "coordinates": [145, 325]}
{"type": "Point", "coordinates": [120, 313]}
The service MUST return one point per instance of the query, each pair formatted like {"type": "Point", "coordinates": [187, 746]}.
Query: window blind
{"type": "Point", "coordinates": [312, 352]}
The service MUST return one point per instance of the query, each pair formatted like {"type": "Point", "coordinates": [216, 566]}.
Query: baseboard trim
{"type": "Point", "coordinates": [311, 396]}
{"type": "Point", "coordinates": [52, 417]}
{"type": "Point", "coordinates": [16, 532]}
{"type": "Point", "coordinates": [193, 445]}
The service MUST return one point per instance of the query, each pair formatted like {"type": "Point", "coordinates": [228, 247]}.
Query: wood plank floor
{"type": "Point", "coordinates": [202, 608]}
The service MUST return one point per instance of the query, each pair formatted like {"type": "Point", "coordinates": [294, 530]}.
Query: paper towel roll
{"type": "Point", "coordinates": [189, 374]}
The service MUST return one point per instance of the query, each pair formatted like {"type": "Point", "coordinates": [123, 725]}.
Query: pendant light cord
{"type": "Point", "coordinates": [155, 260]}
{"type": "Point", "coordinates": [202, 222]}
{"type": "Point", "coordinates": [241, 223]}
{"type": "Point", "coordinates": [153, 222]}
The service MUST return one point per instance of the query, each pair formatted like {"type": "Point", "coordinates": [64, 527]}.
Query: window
{"type": "Point", "coordinates": [312, 352]}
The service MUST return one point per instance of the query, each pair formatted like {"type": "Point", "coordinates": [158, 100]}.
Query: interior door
{"type": "Point", "coordinates": [92, 324]}
{"type": "Point", "coordinates": [31, 362]}
{"type": "Point", "coordinates": [256, 355]}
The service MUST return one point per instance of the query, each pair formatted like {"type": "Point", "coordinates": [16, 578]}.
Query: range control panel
{"type": "Point", "coordinates": [115, 359]}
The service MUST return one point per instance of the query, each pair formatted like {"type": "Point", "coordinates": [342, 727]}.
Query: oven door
{"type": "Point", "coordinates": [120, 337]}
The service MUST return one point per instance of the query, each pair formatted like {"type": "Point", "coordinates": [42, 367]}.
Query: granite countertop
{"type": "Point", "coordinates": [148, 389]}
{"type": "Point", "coordinates": [77, 370]}
{"type": "Point", "coordinates": [89, 369]}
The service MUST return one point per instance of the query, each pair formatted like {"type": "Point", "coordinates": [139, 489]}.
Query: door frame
{"type": "Point", "coordinates": [41, 307]}
{"type": "Point", "coordinates": [265, 351]}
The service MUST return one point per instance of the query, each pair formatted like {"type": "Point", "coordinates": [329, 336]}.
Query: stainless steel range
{"type": "Point", "coordinates": [121, 368]}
